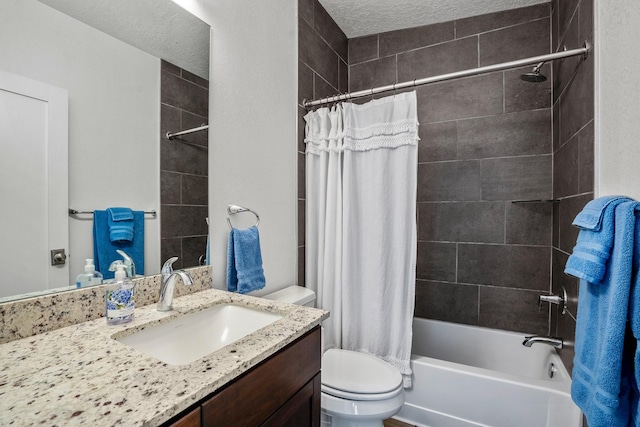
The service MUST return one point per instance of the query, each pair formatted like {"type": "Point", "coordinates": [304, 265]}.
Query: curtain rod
{"type": "Point", "coordinates": [583, 51]}
{"type": "Point", "coordinates": [171, 136]}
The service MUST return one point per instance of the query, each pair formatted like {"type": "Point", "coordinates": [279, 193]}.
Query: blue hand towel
{"type": "Point", "coordinates": [601, 373]}
{"type": "Point", "coordinates": [592, 215]}
{"type": "Point", "coordinates": [593, 247]}
{"type": "Point", "coordinates": [104, 250]}
{"type": "Point", "coordinates": [244, 261]}
{"type": "Point", "coordinates": [120, 222]}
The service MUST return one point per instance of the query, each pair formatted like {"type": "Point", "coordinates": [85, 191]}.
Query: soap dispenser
{"type": "Point", "coordinates": [119, 298]}
{"type": "Point", "coordinates": [90, 277]}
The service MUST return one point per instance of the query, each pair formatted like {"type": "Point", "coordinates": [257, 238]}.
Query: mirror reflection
{"type": "Point", "coordinates": [131, 71]}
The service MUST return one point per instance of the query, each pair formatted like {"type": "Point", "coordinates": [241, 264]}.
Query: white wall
{"type": "Point", "coordinates": [617, 98]}
{"type": "Point", "coordinates": [252, 135]}
{"type": "Point", "coordinates": [114, 112]}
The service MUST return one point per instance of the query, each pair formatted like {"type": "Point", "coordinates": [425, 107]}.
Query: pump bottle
{"type": "Point", "coordinates": [119, 298]}
{"type": "Point", "coordinates": [90, 277]}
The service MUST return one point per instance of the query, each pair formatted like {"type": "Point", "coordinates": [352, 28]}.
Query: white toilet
{"type": "Point", "coordinates": [358, 390]}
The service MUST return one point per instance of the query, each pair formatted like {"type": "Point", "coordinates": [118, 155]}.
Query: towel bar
{"type": "Point", "coordinates": [234, 209]}
{"type": "Point", "coordinates": [77, 212]}
{"type": "Point", "coordinates": [172, 135]}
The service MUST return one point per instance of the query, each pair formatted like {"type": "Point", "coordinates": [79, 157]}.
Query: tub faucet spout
{"type": "Point", "coordinates": [169, 277]}
{"type": "Point", "coordinates": [552, 341]}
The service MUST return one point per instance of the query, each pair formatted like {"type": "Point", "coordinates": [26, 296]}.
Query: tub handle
{"type": "Point", "coordinates": [559, 300]}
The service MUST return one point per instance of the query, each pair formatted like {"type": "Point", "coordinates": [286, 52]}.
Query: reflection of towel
{"type": "Point", "coordinates": [244, 261]}
{"type": "Point", "coordinates": [602, 372]}
{"type": "Point", "coordinates": [120, 222]}
{"type": "Point", "coordinates": [207, 254]}
{"type": "Point", "coordinates": [104, 250]}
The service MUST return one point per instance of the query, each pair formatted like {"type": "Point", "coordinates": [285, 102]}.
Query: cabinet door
{"type": "Point", "coordinates": [192, 419]}
{"type": "Point", "coordinates": [302, 410]}
{"type": "Point", "coordinates": [258, 394]}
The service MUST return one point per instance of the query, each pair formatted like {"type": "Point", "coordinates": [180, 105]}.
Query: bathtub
{"type": "Point", "coordinates": [466, 376]}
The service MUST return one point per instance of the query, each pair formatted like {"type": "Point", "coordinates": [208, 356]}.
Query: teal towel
{"type": "Point", "coordinates": [104, 250]}
{"type": "Point", "coordinates": [593, 247]}
{"type": "Point", "coordinates": [120, 221]}
{"type": "Point", "coordinates": [602, 372]}
{"type": "Point", "coordinates": [244, 261]}
{"type": "Point", "coordinates": [592, 215]}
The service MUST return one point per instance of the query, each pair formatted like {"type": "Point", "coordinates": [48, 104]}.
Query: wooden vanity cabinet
{"type": "Point", "coordinates": [190, 419]}
{"type": "Point", "coordinates": [282, 391]}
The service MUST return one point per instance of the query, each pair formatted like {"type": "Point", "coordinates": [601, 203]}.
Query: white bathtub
{"type": "Point", "coordinates": [471, 376]}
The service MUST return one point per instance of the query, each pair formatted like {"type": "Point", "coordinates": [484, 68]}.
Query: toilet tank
{"type": "Point", "coordinates": [294, 295]}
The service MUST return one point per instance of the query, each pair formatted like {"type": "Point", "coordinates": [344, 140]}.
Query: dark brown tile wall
{"type": "Point", "coordinates": [573, 171]}
{"type": "Point", "coordinates": [485, 141]}
{"type": "Point", "coordinates": [322, 71]}
{"type": "Point", "coordinates": [183, 166]}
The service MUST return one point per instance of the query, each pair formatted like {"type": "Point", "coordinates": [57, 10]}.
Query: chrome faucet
{"type": "Point", "coordinates": [559, 300]}
{"type": "Point", "coordinates": [552, 341]}
{"type": "Point", "coordinates": [553, 299]}
{"type": "Point", "coordinates": [169, 277]}
{"type": "Point", "coordinates": [129, 265]}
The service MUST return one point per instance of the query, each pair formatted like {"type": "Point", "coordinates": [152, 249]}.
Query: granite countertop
{"type": "Point", "coordinates": [79, 375]}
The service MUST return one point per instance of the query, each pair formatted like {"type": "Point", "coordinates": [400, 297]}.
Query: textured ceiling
{"type": "Point", "coordinates": [165, 30]}
{"type": "Point", "coordinates": [158, 27]}
{"type": "Point", "coordinates": [363, 17]}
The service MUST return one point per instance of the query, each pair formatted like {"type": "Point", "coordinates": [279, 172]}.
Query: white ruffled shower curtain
{"type": "Point", "coordinates": [361, 171]}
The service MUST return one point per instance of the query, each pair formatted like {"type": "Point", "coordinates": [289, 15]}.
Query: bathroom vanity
{"type": "Point", "coordinates": [282, 391]}
{"type": "Point", "coordinates": [80, 374]}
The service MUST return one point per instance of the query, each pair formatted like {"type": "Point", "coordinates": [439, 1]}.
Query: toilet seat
{"type": "Point", "coordinates": [360, 396]}
{"type": "Point", "coordinates": [358, 376]}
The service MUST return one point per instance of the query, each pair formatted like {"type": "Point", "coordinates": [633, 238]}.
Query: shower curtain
{"type": "Point", "coordinates": [361, 169]}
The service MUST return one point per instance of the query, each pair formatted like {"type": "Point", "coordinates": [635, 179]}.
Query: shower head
{"type": "Point", "coordinates": [534, 76]}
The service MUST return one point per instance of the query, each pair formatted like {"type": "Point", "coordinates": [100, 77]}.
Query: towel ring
{"type": "Point", "coordinates": [234, 209]}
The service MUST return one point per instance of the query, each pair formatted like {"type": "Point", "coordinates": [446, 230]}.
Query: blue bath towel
{"type": "Point", "coordinates": [603, 364]}
{"type": "Point", "coordinates": [634, 322]}
{"type": "Point", "coordinates": [592, 215]}
{"type": "Point", "coordinates": [120, 222]}
{"type": "Point", "coordinates": [244, 261]}
{"type": "Point", "coordinates": [104, 250]}
{"type": "Point", "coordinates": [593, 247]}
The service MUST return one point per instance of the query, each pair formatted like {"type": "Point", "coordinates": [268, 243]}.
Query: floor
{"type": "Point", "coordinates": [395, 423]}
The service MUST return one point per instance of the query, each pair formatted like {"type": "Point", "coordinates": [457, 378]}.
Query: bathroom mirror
{"type": "Point", "coordinates": [107, 56]}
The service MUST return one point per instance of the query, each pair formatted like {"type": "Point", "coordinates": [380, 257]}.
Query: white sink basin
{"type": "Point", "coordinates": [192, 336]}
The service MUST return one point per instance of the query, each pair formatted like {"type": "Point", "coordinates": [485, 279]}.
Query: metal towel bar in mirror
{"type": "Point", "coordinates": [234, 209]}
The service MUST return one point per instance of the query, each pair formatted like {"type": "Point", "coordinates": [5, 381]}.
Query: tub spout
{"type": "Point", "coordinates": [552, 341]}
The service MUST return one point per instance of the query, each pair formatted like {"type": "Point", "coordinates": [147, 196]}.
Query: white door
{"type": "Point", "coordinates": [33, 184]}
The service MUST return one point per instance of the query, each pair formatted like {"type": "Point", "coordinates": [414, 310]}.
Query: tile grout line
{"type": "Point", "coordinates": [505, 223]}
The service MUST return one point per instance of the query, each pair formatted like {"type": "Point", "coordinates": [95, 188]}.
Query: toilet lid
{"type": "Point", "coordinates": [360, 373]}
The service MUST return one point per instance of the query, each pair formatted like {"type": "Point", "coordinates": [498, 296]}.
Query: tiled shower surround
{"type": "Point", "coordinates": [573, 136]}
{"type": "Point", "coordinates": [486, 141]}
{"type": "Point", "coordinates": [183, 166]}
